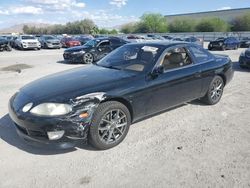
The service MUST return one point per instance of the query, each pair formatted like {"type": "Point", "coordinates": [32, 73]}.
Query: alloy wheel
{"type": "Point", "coordinates": [112, 126]}
{"type": "Point", "coordinates": [216, 90]}
{"type": "Point", "coordinates": [88, 58]}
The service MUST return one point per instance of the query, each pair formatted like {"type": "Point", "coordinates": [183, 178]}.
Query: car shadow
{"type": "Point", "coordinates": [237, 67]}
{"type": "Point", "coordinates": [9, 135]}
{"type": "Point", "coordinates": [66, 62]}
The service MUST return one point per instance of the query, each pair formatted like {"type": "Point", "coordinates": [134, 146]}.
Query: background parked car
{"type": "Point", "coordinates": [245, 42]}
{"type": "Point", "coordinates": [155, 37]}
{"type": "Point", "coordinates": [133, 38]}
{"type": "Point", "coordinates": [93, 50]}
{"type": "Point", "coordinates": [49, 41]}
{"type": "Point", "coordinates": [4, 44]}
{"type": "Point", "coordinates": [68, 42]}
{"type": "Point", "coordinates": [177, 39]}
{"type": "Point", "coordinates": [27, 42]}
{"type": "Point", "coordinates": [194, 40]}
{"type": "Point", "coordinates": [167, 37]}
{"type": "Point", "coordinates": [12, 41]}
{"type": "Point", "coordinates": [84, 38]}
{"type": "Point", "coordinates": [224, 43]}
{"type": "Point", "coordinates": [244, 59]}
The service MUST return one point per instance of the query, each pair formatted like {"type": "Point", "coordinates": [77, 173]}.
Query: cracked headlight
{"type": "Point", "coordinates": [51, 109]}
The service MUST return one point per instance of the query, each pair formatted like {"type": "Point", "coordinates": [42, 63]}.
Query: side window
{"type": "Point", "coordinates": [104, 44]}
{"type": "Point", "coordinates": [200, 55]}
{"type": "Point", "coordinates": [115, 42]}
{"type": "Point", "coordinates": [175, 58]}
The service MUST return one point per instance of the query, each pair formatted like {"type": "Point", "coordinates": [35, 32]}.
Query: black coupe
{"type": "Point", "coordinates": [98, 102]}
{"type": "Point", "coordinates": [228, 43]}
{"type": "Point", "coordinates": [93, 50]}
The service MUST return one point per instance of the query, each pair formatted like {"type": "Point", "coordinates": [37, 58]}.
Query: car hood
{"type": "Point", "coordinates": [75, 82]}
{"type": "Point", "coordinates": [30, 40]}
{"type": "Point", "coordinates": [77, 48]}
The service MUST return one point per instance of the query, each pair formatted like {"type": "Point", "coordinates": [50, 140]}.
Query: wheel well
{"type": "Point", "coordinates": [124, 102]}
{"type": "Point", "coordinates": [223, 77]}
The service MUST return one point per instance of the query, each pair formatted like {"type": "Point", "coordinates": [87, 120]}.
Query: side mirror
{"type": "Point", "coordinates": [157, 71]}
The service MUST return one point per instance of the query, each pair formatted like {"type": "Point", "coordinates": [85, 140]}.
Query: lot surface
{"type": "Point", "coordinates": [191, 146]}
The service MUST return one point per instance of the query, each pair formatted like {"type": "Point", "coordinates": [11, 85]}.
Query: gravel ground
{"type": "Point", "coordinates": [190, 146]}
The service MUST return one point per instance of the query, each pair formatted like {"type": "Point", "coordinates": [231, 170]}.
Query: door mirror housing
{"type": "Point", "coordinates": [157, 71]}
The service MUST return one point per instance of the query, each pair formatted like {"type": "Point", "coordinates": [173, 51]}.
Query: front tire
{"type": "Point", "coordinates": [214, 92]}
{"type": "Point", "coordinates": [88, 58]}
{"type": "Point", "coordinates": [110, 125]}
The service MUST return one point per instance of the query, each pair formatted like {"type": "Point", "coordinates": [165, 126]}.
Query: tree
{"type": "Point", "coordinates": [128, 28]}
{"type": "Point", "coordinates": [241, 23]}
{"type": "Point", "coordinates": [212, 25]}
{"type": "Point", "coordinates": [25, 29]}
{"type": "Point", "coordinates": [152, 23]}
{"type": "Point", "coordinates": [182, 25]}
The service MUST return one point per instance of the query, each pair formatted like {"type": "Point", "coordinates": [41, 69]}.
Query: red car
{"type": "Point", "coordinates": [68, 42]}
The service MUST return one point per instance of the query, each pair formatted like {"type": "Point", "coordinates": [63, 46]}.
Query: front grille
{"type": "Point", "coordinates": [32, 43]}
{"type": "Point", "coordinates": [67, 56]}
{"type": "Point", "coordinates": [37, 133]}
{"type": "Point", "coordinates": [55, 43]}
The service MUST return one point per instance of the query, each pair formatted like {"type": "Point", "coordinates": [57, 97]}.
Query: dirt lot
{"type": "Point", "coordinates": [191, 146]}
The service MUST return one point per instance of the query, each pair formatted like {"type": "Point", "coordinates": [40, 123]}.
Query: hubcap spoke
{"type": "Point", "coordinates": [121, 125]}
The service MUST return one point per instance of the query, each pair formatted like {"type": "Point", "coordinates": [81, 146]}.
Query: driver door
{"type": "Point", "coordinates": [179, 82]}
{"type": "Point", "coordinates": [103, 48]}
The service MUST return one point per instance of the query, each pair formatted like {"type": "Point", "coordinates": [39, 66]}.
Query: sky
{"type": "Point", "coordinates": [105, 13]}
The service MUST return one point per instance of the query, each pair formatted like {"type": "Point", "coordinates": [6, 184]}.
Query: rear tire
{"type": "Point", "coordinates": [223, 47]}
{"type": "Point", "coordinates": [214, 92]}
{"type": "Point", "coordinates": [110, 125]}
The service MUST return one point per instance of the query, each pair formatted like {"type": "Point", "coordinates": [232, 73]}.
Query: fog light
{"type": "Point", "coordinates": [55, 135]}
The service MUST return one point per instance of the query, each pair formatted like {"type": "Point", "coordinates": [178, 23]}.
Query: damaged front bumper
{"type": "Point", "coordinates": [72, 127]}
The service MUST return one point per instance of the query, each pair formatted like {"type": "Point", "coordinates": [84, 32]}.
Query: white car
{"type": "Point", "coordinates": [28, 42]}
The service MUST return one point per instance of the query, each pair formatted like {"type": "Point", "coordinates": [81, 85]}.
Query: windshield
{"type": "Point", "coordinates": [136, 57]}
{"type": "Point", "coordinates": [220, 38]}
{"type": "Point", "coordinates": [91, 43]}
{"type": "Point", "coordinates": [49, 38]}
{"type": "Point", "coordinates": [27, 37]}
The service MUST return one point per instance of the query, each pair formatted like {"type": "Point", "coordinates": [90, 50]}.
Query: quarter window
{"type": "Point", "coordinates": [200, 55]}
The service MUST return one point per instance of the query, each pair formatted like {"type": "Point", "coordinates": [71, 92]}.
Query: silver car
{"type": "Point", "coordinates": [27, 42]}
{"type": "Point", "coordinates": [49, 41]}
